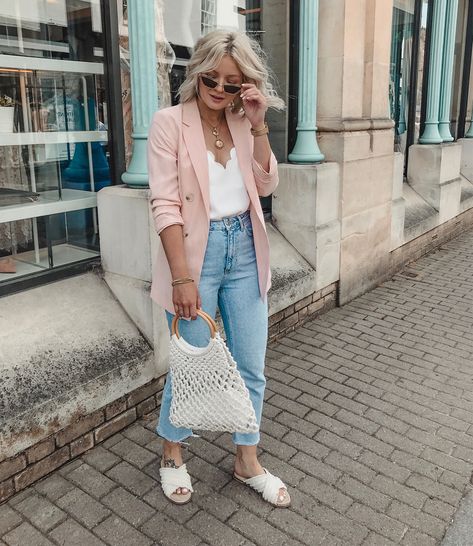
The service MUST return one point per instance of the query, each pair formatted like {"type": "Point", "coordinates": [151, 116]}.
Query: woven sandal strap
{"type": "Point", "coordinates": [173, 478]}
{"type": "Point", "coordinates": [267, 484]}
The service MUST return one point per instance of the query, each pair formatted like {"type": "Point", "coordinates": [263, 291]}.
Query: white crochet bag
{"type": "Point", "coordinates": [208, 392]}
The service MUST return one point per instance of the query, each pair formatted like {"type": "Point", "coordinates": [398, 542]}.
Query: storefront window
{"type": "Point", "coordinates": [53, 134]}
{"type": "Point", "coordinates": [400, 70]}
{"type": "Point", "coordinates": [462, 74]}
{"type": "Point", "coordinates": [469, 106]}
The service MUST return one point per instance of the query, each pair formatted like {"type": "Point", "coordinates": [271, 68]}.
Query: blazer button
{"type": "Point", "coordinates": [190, 197]}
{"type": "Point", "coordinates": [186, 234]}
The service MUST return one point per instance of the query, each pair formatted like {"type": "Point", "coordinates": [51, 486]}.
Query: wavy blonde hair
{"type": "Point", "coordinates": [247, 54]}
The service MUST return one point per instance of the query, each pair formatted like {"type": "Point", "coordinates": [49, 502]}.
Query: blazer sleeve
{"type": "Point", "coordinates": [266, 182]}
{"type": "Point", "coordinates": [164, 198]}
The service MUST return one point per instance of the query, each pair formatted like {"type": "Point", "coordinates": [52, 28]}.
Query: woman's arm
{"type": "Point", "coordinates": [166, 206]}
{"type": "Point", "coordinates": [266, 181]}
{"type": "Point", "coordinates": [263, 161]}
{"type": "Point", "coordinates": [164, 195]}
{"type": "Point", "coordinates": [185, 297]}
{"type": "Point", "coordinates": [262, 151]}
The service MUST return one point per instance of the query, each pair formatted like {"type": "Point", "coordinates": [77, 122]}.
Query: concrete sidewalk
{"type": "Point", "coordinates": [368, 419]}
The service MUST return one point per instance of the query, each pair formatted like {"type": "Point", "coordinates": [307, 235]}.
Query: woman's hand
{"type": "Point", "coordinates": [186, 300]}
{"type": "Point", "coordinates": [254, 104]}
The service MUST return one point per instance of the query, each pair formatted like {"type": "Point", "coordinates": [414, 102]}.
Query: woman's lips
{"type": "Point", "coordinates": [217, 99]}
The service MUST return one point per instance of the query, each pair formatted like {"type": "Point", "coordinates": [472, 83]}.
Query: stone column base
{"type": "Point", "coordinates": [466, 166]}
{"type": "Point", "coordinates": [434, 173]}
{"type": "Point", "coordinates": [306, 212]}
{"type": "Point", "coordinates": [398, 209]}
{"type": "Point", "coordinates": [127, 243]}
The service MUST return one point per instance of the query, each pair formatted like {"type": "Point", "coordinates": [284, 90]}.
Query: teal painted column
{"type": "Point", "coordinates": [431, 133]}
{"type": "Point", "coordinates": [447, 70]}
{"type": "Point", "coordinates": [144, 93]}
{"type": "Point", "coordinates": [306, 149]}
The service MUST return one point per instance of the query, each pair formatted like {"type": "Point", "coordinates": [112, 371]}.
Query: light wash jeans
{"type": "Point", "coordinates": [229, 279]}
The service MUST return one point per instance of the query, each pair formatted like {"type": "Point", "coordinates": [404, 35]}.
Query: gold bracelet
{"type": "Point", "coordinates": [260, 132]}
{"type": "Point", "coordinates": [184, 280]}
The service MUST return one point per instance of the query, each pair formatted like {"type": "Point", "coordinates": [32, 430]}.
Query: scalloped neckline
{"type": "Point", "coordinates": [232, 156]}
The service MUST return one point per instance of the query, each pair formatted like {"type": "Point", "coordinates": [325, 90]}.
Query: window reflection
{"type": "Point", "coordinates": [469, 108]}
{"type": "Point", "coordinates": [53, 140]}
{"type": "Point", "coordinates": [460, 72]}
{"type": "Point", "coordinates": [400, 73]}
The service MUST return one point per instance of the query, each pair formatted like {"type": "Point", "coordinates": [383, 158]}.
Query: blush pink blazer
{"type": "Point", "coordinates": [179, 190]}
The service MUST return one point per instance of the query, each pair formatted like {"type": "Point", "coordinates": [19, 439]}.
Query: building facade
{"type": "Point", "coordinates": [375, 152]}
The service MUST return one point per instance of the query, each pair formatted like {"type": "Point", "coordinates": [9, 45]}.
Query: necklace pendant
{"type": "Point", "coordinates": [215, 132]}
{"type": "Point", "coordinates": [219, 144]}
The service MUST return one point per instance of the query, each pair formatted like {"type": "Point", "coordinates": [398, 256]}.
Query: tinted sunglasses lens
{"type": "Point", "coordinates": [209, 82]}
{"type": "Point", "coordinates": [212, 84]}
{"type": "Point", "coordinates": [232, 89]}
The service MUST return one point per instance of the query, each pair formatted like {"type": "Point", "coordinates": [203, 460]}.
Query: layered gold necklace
{"type": "Point", "coordinates": [219, 144]}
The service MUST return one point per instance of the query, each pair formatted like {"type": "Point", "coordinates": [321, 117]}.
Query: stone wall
{"type": "Point", "coordinates": [429, 241]}
{"type": "Point", "coordinates": [40, 459]}
{"type": "Point", "coordinates": [355, 132]}
{"type": "Point", "coordinates": [294, 315]}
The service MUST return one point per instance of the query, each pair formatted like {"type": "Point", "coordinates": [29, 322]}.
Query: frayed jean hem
{"type": "Point", "coordinates": [176, 439]}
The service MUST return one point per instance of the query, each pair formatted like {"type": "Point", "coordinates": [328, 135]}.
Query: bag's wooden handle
{"type": "Point", "coordinates": [208, 319]}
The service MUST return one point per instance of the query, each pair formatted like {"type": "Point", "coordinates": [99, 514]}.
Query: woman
{"type": "Point", "coordinates": [209, 161]}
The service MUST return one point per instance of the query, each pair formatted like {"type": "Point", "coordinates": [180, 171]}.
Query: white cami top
{"type": "Point", "coordinates": [228, 195]}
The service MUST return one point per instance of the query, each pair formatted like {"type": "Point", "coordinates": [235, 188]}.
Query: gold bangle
{"type": "Point", "coordinates": [184, 280]}
{"type": "Point", "coordinates": [259, 132]}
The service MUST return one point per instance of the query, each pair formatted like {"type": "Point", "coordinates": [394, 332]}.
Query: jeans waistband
{"type": "Point", "coordinates": [231, 223]}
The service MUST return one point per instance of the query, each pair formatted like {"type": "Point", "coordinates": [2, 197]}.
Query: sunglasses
{"type": "Point", "coordinates": [231, 89]}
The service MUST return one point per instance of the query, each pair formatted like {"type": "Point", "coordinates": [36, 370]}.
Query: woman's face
{"type": "Point", "coordinates": [225, 73]}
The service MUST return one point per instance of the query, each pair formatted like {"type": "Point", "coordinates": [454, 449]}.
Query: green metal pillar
{"type": "Point", "coordinates": [447, 70]}
{"type": "Point", "coordinates": [306, 149]}
{"type": "Point", "coordinates": [431, 133]}
{"type": "Point", "coordinates": [144, 94]}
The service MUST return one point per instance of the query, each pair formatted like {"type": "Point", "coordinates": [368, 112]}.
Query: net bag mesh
{"type": "Point", "coordinates": [208, 392]}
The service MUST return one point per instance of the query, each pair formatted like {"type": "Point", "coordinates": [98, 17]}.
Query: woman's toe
{"type": "Point", "coordinates": [283, 494]}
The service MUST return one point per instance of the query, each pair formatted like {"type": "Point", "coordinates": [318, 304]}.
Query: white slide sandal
{"type": "Point", "coordinates": [173, 479]}
{"type": "Point", "coordinates": [268, 486]}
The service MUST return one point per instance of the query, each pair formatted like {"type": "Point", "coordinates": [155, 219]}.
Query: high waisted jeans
{"type": "Point", "coordinates": [229, 279]}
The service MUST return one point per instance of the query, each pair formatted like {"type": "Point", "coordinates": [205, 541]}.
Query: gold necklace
{"type": "Point", "coordinates": [219, 144]}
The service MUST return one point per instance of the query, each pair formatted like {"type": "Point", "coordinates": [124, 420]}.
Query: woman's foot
{"type": "Point", "coordinates": [248, 466]}
{"type": "Point", "coordinates": [172, 458]}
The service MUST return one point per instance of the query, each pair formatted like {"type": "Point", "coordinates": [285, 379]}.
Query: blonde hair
{"type": "Point", "coordinates": [247, 54]}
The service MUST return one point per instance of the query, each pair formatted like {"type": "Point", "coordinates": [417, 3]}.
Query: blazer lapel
{"type": "Point", "coordinates": [241, 141]}
{"type": "Point", "coordinates": [195, 143]}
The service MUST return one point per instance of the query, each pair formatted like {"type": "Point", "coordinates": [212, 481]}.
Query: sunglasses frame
{"type": "Point", "coordinates": [214, 84]}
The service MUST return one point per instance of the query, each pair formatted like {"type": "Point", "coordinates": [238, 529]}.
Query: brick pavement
{"type": "Point", "coordinates": [368, 419]}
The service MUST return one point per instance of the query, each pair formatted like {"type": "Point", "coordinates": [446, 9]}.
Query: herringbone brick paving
{"type": "Point", "coordinates": [368, 419]}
